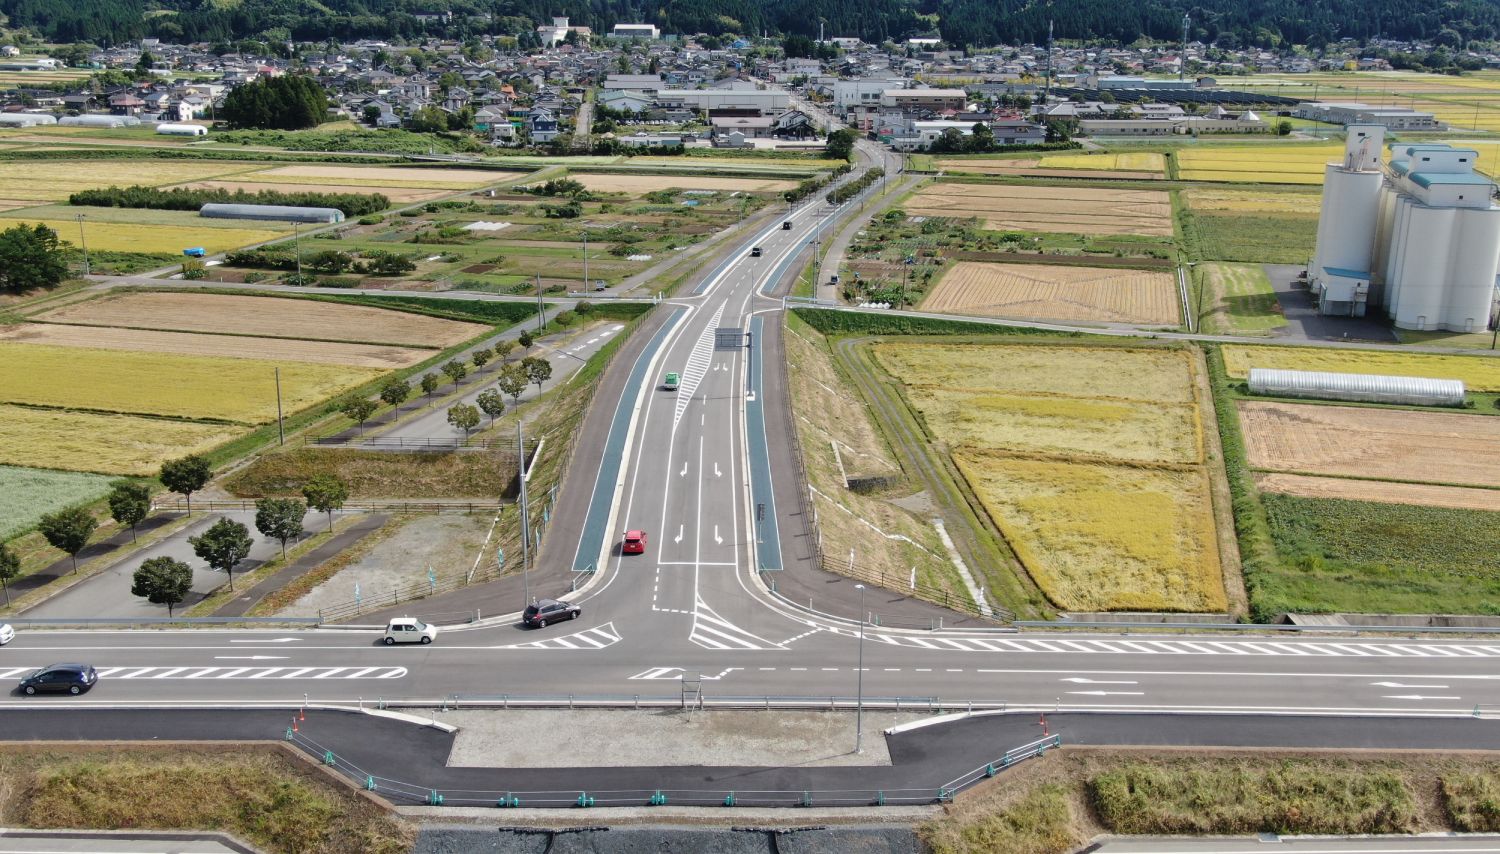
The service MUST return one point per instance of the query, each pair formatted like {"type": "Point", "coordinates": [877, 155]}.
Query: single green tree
{"type": "Point", "coordinates": [10, 567]}
{"type": "Point", "coordinates": [185, 476]}
{"type": "Point", "coordinates": [537, 370]}
{"type": "Point", "coordinates": [395, 392]}
{"type": "Point", "coordinates": [430, 384]}
{"type": "Point", "coordinates": [359, 409]}
{"type": "Point", "coordinates": [31, 256]}
{"type": "Point", "coordinates": [455, 371]}
{"type": "Point", "coordinates": [68, 530]}
{"type": "Point", "coordinates": [504, 348]}
{"type": "Point", "coordinates": [481, 357]}
{"type": "Point", "coordinates": [491, 402]}
{"type": "Point", "coordinates": [583, 308]}
{"type": "Point", "coordinates": [162, 581]}
{"type": "Point", "coordinates": [525, 339]}
{"type": "Point", "coordinates": [326, 493]}
{"type": "Point", "coordinates": [224, 544]}
{"type": "Point", "coordinates": [463, 416]}
{"type": "Point", "coordinates": [513, 380]}
{"type": "Point", "coordinates": [280, 519]}
{"type": "Point", "coordinates": [130, 504]}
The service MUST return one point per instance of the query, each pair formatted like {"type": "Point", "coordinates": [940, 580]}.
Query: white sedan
{"type": "Point", "coordinates": [7, 634]}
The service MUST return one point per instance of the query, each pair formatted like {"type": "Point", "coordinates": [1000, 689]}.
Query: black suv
{"type": "Point", "coordinates": [60, 678]}
{"type": "Point", "coordinates": [549, 611]}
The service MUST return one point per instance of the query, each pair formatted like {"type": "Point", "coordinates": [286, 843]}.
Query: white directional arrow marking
{"type": "Point", "coordinates": [717, 473]}
{"type": "Point", "coordinates": [1108, 693]}
{"type": "Point", "coordinates": [1402, 685]}
{"type": "Point", "coordinates": [679, 534]}
{"type": "Point", "coordinates": [251, 657]}
{"type": "Point", "coordinates": [267, 640]}
{"type": "Point", "coordinates": [1082, 681]}
{"type": "Point", "coordinates": [683, 473]}
{"type": "Point", "coordinates": [718, 539]}
{"type": "Point", "coordinates": [1417, 697]}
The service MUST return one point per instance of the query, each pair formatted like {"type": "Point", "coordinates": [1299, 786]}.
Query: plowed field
{"type": "Point", "coordinates": [1349, 441]}
{"type": "Point", "coordinates": [196, 344]}
{"type": "Point", "coordinates": [1073, 210]}
{"type": "Point", "coordinates": [1056, 293]}
{"type": "Point", "coordinates": [1457, 497]}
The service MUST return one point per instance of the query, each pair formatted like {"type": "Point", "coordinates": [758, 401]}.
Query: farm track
{"type": "Point", "coordinates": [977, 544]}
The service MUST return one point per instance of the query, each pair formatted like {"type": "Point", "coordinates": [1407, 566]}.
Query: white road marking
{"type": "Point", "coordinates": [598, 637]}
{"type": "Point", "coordinates": [718, 539]}
{"type": "Point", "coordinates": [680, 530]}
{"type": "Point", "coordinates": [250, 657]}
{"type": "Point", "coordinates": [717, 473]}
{"type": "Point", "coordinates": [266, 640]}
{"type": "Point", "coordinates": [714, 632]}
{"type": "Point", "coordinates": [282, 672]}
{"type": "Point", "coordinates": [683, 473]}
{"type": "Point", "coordinates": [1107, 693]}
{"type": "Point", "coordinates": [1417, 697]}
{"type": "Point", "coordinates": [1082, 681]}
{"type": "Point", "coordinates": [1197, 649]}
{"type": "Point", "coordinates": [1404, 685]}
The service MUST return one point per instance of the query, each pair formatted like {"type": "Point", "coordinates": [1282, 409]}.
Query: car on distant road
{"type": "Point", "coordinates": [599, 285]}
{"type": "Point", "coordinates": [635, 543]}
{"type": "Point", "coordinates": [544, 611]}
{"type": "Point", "coordinates": [60, 679]}
{"type": "Point", "coordinates": [409, 630]}
{"type": "Point", "coordinates": [7, 634]}
{"type": "Point", "coordinates": [671, 382]}
{"type": "Point", "coordinates": [786, 225]}
{"type": "Point", "coordinates": [755, 252]}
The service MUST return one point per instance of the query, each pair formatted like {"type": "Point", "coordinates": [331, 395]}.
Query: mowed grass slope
{"type": "Point", "coordinates": [203, 387]}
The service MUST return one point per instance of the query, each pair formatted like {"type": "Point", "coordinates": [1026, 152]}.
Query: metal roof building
{"type": "Point", "coordinates": [1367, 388]}
{"type": "Point", "coordinates": [282, 213]}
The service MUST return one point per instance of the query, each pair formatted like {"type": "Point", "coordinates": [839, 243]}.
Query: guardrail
{"type": "Point", "coordinates": [933, 705]}
{"type": "Point", "coordinates": [434, 795]}
{"type": "Point", "coordinates": [248, 505]}
{"type": "Point", "coordinates": [96, 622]}
{"type": "Point", "coordinates": [413, 443]}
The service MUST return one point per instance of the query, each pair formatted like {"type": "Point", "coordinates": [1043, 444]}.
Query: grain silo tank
{"type": "Point", "coordinates": [1340, 270]}
{"type": "Point", "coordinates": [1363, 388]}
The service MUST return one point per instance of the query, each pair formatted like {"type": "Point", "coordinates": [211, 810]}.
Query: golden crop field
{"type": "Point", "coordinates": [1129, 161]}
{"type": "Point", "coordinates": [101, 442]}
{"type": "Point", "coordinates": [1088, 459]}
{"type": "Point", "coordinates": [1467, 101]}
{"type": "Point", "coordinates": [375, 176]}
{"type": "Point", "coordinates": [1290, 163]}
{"type": "Point", "coordinates": [1253, 201]}
{"type": "Point", "coordinates": [195, 344]}
{"type": "Point", "coordinates": [1046, 292]}
{"type": "Point", "coordinates": [1102, 537]}
{"type": "Point", "coordinates": [1351, 441]}
{"type": "Point", "coordinates": [642, 184]}
{"type": "Point", "coordinates": [314, 320]}
{"type": "Point", "coordinates": [1073, 210]}
{"type": "Point", "coordinates": [1477, 372]}
{"type": "Point", "coordinates": [148, 237]}
{"type": "Point", "coordinates": [239, 390]}
{"type": "Point", "coordinates": [51, 180]}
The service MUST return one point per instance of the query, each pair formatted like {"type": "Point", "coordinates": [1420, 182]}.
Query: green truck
{"type": "Point", "coordinates": [671, 382]}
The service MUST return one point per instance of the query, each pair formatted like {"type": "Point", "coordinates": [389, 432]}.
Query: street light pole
{"type": "Point", "coordinates": [585, 261]}
{"type": "Point", "coordinates": [525, 517]}
{"type": "Point", "coordinates": [297, 248]}
{"type": "Point", "coordinates": [540, 311]}
{"type": "Point", "coordinates": [859, 703]}
{"type": "Point", "coordinates": [85, 244]}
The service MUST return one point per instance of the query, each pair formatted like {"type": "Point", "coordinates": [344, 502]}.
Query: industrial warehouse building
{"type": "Point", "coordinates": [281, 213]}
{"type": "Point", "coordinates": [1420, 239]}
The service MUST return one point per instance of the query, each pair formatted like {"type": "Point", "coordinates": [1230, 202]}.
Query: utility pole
{"type": "Point", "coordinates": [1182, 55]}
{"type": "Point", "coordinates": [859, 703]}
{"type": "Point", "coordinates": [525, 518]}
{"type": "Point", "coordinates": [85, 244]}
{"type": "Point", "coordinates": [585, 260]}
{"type": "Point", "coordinates": [540, 311]}
{"type": "Point", "coordinates": [1047, 90]}
{"type": "Point", "coordinates": [280, 425]}
{"type": "Point", "coordinates": [297, 248]}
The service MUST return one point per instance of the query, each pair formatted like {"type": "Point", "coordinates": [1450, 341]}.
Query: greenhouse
{"type": "Point", "coordinates": [282, 213]}
{"type": "Point", "coordinates": [1366, 388]}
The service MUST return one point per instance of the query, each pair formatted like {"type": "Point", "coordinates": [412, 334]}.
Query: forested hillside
{"type": "Point", "coordinates": [961, 22]}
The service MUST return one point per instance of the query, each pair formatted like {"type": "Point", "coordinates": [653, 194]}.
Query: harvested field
{"type": "Point", "coordinates": [50, 180]}
{"type": "Point", "coordinates": [242, 390]}
{"type": "Point", "coordinates": [1155, 376]}
{"type": "Point", "coordinates": [642, 184]}
{"type": "Point", "coordinates": [146, 237]}
{"type": "Point", "coordinates": [1104, 537]}
{"type": "Point", "coordinates": [196, 344]}
{"type": "Point", "coordinates": [1356, 442]}
{"type": "Point", "coordinates": [1478, 373]}
{"type": "Point", "coordinates": [1072, 210]}
{"type": "Point", "coordinates": [396, 176]}
{"type": "Point", "coordinates": [269, 316]}
{"type": "Point", "coordinates": [95, 442]}
{"type": "Point", "coordinates": [395, 194]}
{"type": "Point", "coordinates": [1254, 201]}
{"type": "Point", "coordinates": [1426, 495]}
{"type": "Point", "coordinates": [1056, 293]}
{"type": "Point", "coordinates": [1122, 161]}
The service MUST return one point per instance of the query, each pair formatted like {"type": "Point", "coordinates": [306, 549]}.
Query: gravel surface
{"type": "Point", "coordinates": [447, 542]}
{"type": "Point", "coordinates": [529, 738]}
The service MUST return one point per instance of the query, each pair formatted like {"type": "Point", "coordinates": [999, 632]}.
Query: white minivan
{"type": "Point", "coordinates": [409, 630]}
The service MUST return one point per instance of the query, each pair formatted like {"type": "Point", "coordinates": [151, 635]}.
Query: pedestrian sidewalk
{"type": "Point", "coordinates": [240, 605]}
{"type": "Point", "coordinates": [833, 261]}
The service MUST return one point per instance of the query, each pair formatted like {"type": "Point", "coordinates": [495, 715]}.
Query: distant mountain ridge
{"type": "Point", "coordinates": [1233, 23]}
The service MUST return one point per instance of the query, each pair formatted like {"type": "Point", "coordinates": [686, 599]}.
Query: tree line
{"type": "Point", "coordinates": [188, 199]}
{"type": "Point", "coordinates": [289, 102]}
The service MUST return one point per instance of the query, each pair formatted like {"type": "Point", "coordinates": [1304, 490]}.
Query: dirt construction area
{"type": "Point", "coordinates": [1046, 292]}
{"type": "Point", "coordinates": [1355, 442]}
{"type": "Point", "coordinates": [195, 344]}
{"type": "Point", "coordinates": [1457, 497]}
{"type": "Point", "coordinates": [1070, 210]}
{"type": "Point", "coordinates": [281, 318]}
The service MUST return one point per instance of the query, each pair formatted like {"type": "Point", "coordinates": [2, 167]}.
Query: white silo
{"type": "Point", "coordinates": [1475, 247]}
{"type": "Point", "coordinates": [1340, 270]}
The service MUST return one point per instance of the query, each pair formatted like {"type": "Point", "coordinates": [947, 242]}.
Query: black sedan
{"type": "Point", "coordinates": [544, 611]}
{"type": "Point", "coordinates": [60, 679]}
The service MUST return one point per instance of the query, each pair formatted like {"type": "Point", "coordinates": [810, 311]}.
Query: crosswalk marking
{"type": "Point", "coordinates": [122, 672]}
{"type": "Point", "coordinates": [598, 637]}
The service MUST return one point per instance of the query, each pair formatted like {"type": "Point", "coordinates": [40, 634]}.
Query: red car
{"type": "Point", "coordinates": [635, 543]}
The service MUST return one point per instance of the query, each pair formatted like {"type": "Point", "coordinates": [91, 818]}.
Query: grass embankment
{"type": "Point", "coordinates": [259, 794]}
{"type": "Point", "coordinates": [380, 474]}
{"type": "Point", "coordinates": [1239, 300]}
{"type": "Point", "coordinates": [1058, 803]}
{"type": "Point", "coordinates": [208, 605]}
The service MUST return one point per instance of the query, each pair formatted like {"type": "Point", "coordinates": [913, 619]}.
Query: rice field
{"type": "Point", "coordinates": [638, 185]}
{"type": "Point", "coordinates": [1102, 537]}
{"type": "Point", "coordinates": [1138, 166]}
{"type": "Point", "coordinates": [102, 442]}
{"type": "Point", "coordinates": [54, 180]}
{"type": "Point", "coordinates": [264, 316]}
{"type": "Point", "coordinates": [26, 494]}
{"type": "Point", "coordinates": [383, 356]}
{"type": "Point", "coordinates": [1478, 373]}
{"type": "Point", "coordinates": [1124, 161]}
{"type": "Point", "coordinates": [1467, 101]}
{"type": "Point", "coordinates": [1253, 201]}
{"type": "Point", "coordinates": [1071, 210]}
{"type": "Point", "coordinates": [203, 387]}
{"type": "Point", "coordinates": [1068, 293]}
{"type": "Point", "coordinates": [1089, 460]}
{"type": "Point", "coordinates": [149, 237]}
{"type": "Point", "coordinates": [1290, 163]}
